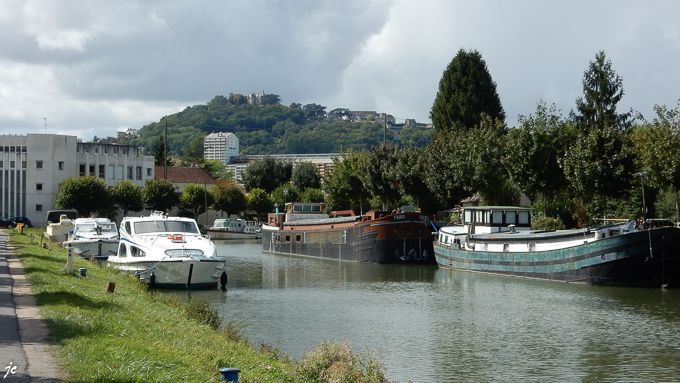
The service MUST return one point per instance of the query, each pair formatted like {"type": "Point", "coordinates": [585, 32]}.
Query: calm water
{"type": "Point", "coordinates": [431, 325]}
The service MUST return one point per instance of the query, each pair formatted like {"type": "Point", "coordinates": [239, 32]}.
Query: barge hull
{"type": "Point", "coordinates": [623, 260]}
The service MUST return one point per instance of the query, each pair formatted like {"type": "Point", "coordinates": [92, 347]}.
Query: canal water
{"type": "Point", "coordinates": [431, 325]}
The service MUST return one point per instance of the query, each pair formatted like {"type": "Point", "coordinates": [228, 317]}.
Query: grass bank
{"type": "Point", "coordinates": [134, 335]}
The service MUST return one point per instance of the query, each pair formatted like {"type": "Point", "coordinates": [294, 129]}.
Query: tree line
{"type": "Point", "coordinates": [592, 163]}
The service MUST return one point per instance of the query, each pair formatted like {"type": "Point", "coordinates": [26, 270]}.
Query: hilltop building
{"type": "Point", "coordinates": [33, 166]}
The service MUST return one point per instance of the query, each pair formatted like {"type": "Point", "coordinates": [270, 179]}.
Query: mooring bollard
{"type": "Point", "coordinates": [69, 262]}
{"type": "Point", "coordinates": [229, 374]}
{"type": "Point", "coordinates": [110, 287]}
{"type": "Point", "coordinates": [83, 272]}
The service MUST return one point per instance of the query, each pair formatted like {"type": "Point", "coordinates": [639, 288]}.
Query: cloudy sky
{"type": "Point", "coordinates": [95, 67]}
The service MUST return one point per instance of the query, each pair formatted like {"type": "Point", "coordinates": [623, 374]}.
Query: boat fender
{"type": "Point", "coordinates": [152, 279]}
{"type": "Point", "coordinates": [223, 280]}
{"type": "Point", "coordinates": [424, 257]}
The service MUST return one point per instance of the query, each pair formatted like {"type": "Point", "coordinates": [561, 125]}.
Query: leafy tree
{"type": "Point", "coordinates": [127, 196]}
{"type": "Point", "coordinates": [377, 175]}
{"type": "Point", "coordinates": [482, 150]}
{"type": "Point", "coordinates": [305, 175]}
{"type": "Point", "coordinates": [259, 201]}
{"type": "Point", "coordinates": [442, 173]}
{"type": "Point", "coordinates": [266, 174]}
{"type": "Point", "coordinates": [532, 152]}
{"type": "Point", "coordinates": [600, 163]}
{"type": "Point", "coordinates": [217, 169]}
{"type": "Point", "coordinates": [159, 153]}
{"type": "Point", "coordinates": [196, 198]}
{"type": "Point", "coordinates": [193, 152]}
{"type": "Point", "coordinates": [270, 99]}
{"type": "Point", "coordinates": [466, 90]}
{"type": "Point", "coordinates": [285, 193]}
{"type": "Point", "coordinates": [408, 173]}
{"type": "Point", "coordinates": [159, 194]}
{"type": "Point", "coordinates": [229, 197]}
{"type": "Point", "coordinates": [85, 194]}
{"type": "Point", "coordinates": [602, 90]}
{"type": "Point", "coordinates": [311, 195]}
{"type": "Point", "coordinates": [344, 185]}
{"type": "Point", "coordinates": [295, 105]}
{"type": "Point", "coordinates": [658, 150]}
{"type": "Point", "coordinates": [314, 110]}
{"type": "Point", "coordinates": [237, 99]}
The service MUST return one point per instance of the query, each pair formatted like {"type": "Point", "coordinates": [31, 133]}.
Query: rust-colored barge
{"type": "Point", "coordinates": [403, 236]}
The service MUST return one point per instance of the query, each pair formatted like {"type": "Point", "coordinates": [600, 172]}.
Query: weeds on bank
{"type": "Point", "coordinates": [135, 335]}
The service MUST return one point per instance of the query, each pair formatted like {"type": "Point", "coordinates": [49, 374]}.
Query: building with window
{"type": "Point", "coordinates": [220, 146]}
{"type": "Point", "coordinates": [33, 166]}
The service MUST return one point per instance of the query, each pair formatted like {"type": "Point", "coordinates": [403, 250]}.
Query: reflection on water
{"type": "Point", "coordinates": [431, 325]}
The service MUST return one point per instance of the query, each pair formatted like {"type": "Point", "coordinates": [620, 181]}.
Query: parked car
{"type": "Point", "coordinates": [15, 220]}
{"type": "Point", "coordinates": [4, 222]}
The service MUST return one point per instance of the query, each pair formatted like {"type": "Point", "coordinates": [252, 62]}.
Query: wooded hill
{"type": "Point", "coordinates": [268, 129]}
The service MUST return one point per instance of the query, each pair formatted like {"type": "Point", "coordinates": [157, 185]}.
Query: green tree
{"type": "Point", "coordinates": [305, 175]}
{"type": "Point", "coordinates": [266, 174]}
{"type": "Point", "coordinates": [343, 185]}
{"type": "Point", "coordinates": [311, 195]}
{"type": "Point", "coordinates": [127, 196]}
{"type": "Point", "coordinates": [285, 193]}
{"type": "Point", "coordinates": [377, 175]}
{"type": "Point", "coordinates": [466, 90]}
{"type": "Point", "coordinates": [193, 152]}
{"type": "Point", "coordinates": [196, 198]}
{"type": "Point", "coordinates": [658, 151]}
{"type": "Point", "coordinates": [85, 194]}
{"type": "Point", "coordinates": [159, 153]}
{"type": "Point", "coordinates": [602, 90]}
{"type": "Point", "coordinates": [482, 151]}
{"type": "Point", "coordinates": [270, 99]}
{"type": "Point", "coordinates": [314, 110]}
{"type": "Point", "coordinates": [408, 173]}
{"type": "Point", "coordinates": [217, 169]}
{"type": "Point", "coordinates": [229, 197]}
{"type": "Point", "coordinates": [532, 152]}
{"type": "Point", "coordinates": [600, 163]}
{"type": "Point", "coordinates": [442, 173]}
{"type": "Point", "coordinates": [159, 195]}
{"type": "Point", "coordinates": [259, 201]}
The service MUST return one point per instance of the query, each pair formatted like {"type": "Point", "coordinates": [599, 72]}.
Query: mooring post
{"type": "Point", "coordinates": [69, 262]}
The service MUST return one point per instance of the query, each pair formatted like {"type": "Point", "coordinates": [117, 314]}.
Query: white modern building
{"type": "Point", "coordinates": [220, 146]}
{"type": "Point", "coordinates": [33, 166]}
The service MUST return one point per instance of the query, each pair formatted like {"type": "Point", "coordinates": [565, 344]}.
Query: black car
{"type": "Point", "coordinates": [4, 222]}
{"type": "Point", "coordinates": [15, 220]}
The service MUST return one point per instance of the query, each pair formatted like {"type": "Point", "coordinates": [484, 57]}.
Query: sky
{"type": "Point", "coordinates": [96, 67]}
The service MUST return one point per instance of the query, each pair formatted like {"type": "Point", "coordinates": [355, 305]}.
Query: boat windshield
{"type": "Point", "coordinates": [143, 227]}
{"type": "Point", "coordinates": [107, 228]}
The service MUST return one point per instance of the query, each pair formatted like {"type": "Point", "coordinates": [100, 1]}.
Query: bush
{"type": "Point", "coordinates": [337, 363]}
{"type": "Point", "coordinates": [547, 223]}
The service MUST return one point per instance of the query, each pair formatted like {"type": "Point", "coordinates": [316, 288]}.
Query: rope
{"type": "Point", "coordinates": [135, 274]}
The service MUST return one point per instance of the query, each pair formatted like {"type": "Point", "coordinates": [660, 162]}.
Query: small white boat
{"type": "Point", "coordinates": [235, 229]}
{"type": "Point", "coordinates": [93, 238]}
{"type": "Point", "coordinates": [168, 252]}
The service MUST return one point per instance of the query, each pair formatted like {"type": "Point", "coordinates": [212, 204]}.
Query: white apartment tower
{"type": "Point", "coordinates": [220, 146]}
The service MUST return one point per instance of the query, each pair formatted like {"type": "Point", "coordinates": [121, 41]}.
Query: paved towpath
{"type": "Point", "coordinates": [24, 355]}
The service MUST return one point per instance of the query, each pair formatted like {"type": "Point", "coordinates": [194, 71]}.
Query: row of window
{"type": "Point", "coordinates": [39, 164]}
{"type": "Point", "coordinates": [497, 217]}
{"type": "Point", "coordinates": [112, 174]}
{"type": "Point", "coordinates": [13, 149]}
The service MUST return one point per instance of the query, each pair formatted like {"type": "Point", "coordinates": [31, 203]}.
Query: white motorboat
{"type": "Point", "coordinates": [168, 252]}
{"type": "Point", "coordinates": [93, 238]}
{"type": "Point", "coordinates": [235, 229]}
